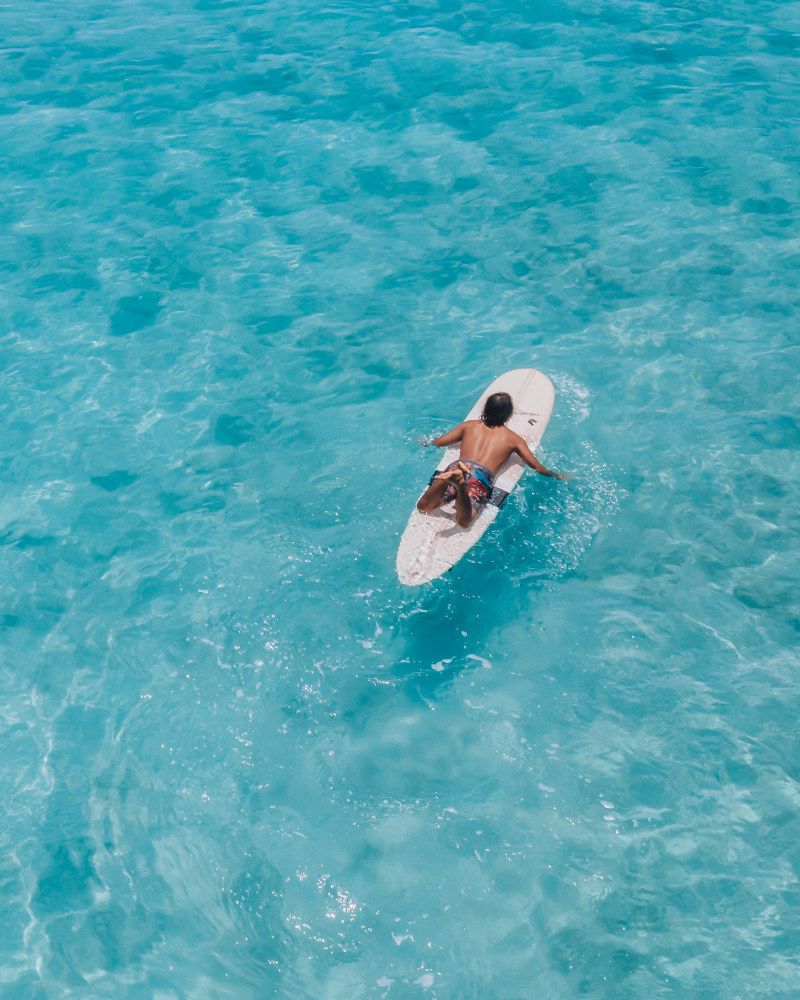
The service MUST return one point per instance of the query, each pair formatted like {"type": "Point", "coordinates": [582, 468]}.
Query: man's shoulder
{"type": "Point", "coordinates": [514, 440]}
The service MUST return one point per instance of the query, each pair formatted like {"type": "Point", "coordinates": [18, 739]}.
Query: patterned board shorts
{"type": "Point", "coordinates": [478, 484]}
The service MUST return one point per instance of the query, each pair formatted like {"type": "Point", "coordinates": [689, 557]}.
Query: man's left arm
{"type": "Point", "coordinates": [451, 437]}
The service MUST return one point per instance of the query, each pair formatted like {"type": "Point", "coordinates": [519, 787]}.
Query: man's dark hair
{"type": "Point", "coordinates": [497, 409]}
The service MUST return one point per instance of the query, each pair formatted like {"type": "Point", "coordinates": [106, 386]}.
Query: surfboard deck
{"type": "Point", "coordinates": [432, 542]}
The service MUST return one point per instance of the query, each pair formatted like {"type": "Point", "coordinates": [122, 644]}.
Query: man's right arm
{"type": "Point", "coordinates": [531, 460]}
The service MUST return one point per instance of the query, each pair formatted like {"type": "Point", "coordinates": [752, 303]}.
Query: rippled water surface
{"type": "Point", "coordinates": [250, 252]}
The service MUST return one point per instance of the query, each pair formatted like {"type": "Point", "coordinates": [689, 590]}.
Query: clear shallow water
{"type": "Point", "coordinates": [249, 254]}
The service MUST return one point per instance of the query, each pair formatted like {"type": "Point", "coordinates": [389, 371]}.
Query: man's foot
{"type": "Point", "coordinates": [454, 475]}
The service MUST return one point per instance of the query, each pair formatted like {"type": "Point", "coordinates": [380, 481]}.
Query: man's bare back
{"type": "Point", "coordinates": [491, 446]}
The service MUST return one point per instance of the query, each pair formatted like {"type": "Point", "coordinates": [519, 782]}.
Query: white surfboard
{"type": "Point", "coordinates": [432, 542]}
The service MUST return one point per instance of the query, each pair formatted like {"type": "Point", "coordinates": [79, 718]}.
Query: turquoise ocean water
{"type": "Point", "coordinates": [250, 252]}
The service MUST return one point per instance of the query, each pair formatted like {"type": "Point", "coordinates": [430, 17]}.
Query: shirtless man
{"type": "Point", "coordinates": [489, 443]}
